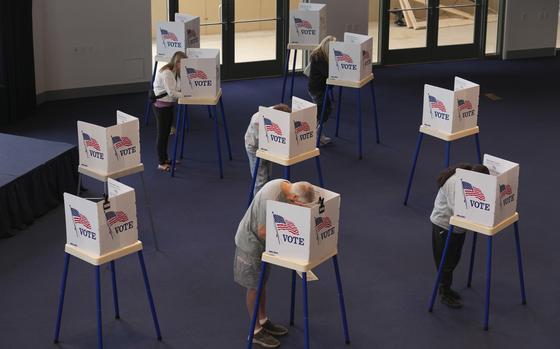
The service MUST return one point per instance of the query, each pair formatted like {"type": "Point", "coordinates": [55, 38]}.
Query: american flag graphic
{"type": "Point", "coordinates": [191, 34]}
{"type": "Point", "coordinates": [91, 142]}
{"type": "Point", "coordinates": [471, 190]}
{"type": "Point", "coordinates": [365, 55]}
{"type": "Point", "coordinates": [272, 127]}
{"type": "Point", "coordinates": [120, 142]}
{"type": "Point", "coordinates": [342, 57]}
{"type": "Point", "coordinates": [322, 223]}
{"type": "Point", "coordinates": [301, 126]}
{"type": "Point", "coordinates": [196, 74]}
{"type": "Point", "coordinates": [302, 23]}
{"type": "Point", "coordinates": [167, 35]}
{"type": "Point", "coordinates": [79, 218]}
{"type": "Point", "coordinates": [505, 190]}
{"type": "Point", "coordinates": [437, 104]}
{"type": "Point", "coordinates": [464, 104]}
{"type": "Point", "coordinates": [115, 217]}
{"type": "Point", "coordinates": [284, 224]}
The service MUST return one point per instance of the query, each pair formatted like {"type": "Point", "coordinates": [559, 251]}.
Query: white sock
{"type": "Point", "coordinates": [263, 321]}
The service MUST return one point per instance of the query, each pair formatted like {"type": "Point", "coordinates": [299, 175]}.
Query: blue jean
{"type": "Point", "coordinates": [263, 173]}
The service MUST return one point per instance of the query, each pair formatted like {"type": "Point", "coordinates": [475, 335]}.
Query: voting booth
{"type": "Point", "coordinates": [98, 227]}
{"type": "Point", "coordinates": [170, 38]}
{"type": "Point", "coordinates": [288, 135]}
{"type": "Point", "coordinates": [487, 199]}
{"type": "Point", "coordinates": [192, 29]}
{"type": "Point", "coordinates": [308, 24]}
{"type": "Point", "coordinates": [112, 149]}
{"type": "Point", "coordinates": [350, 60]}
{"type": "Point", "coordinates": [200, 73]}
{"type": "Point", "coordinates": [307, 234]}
{"type": "Point", "coordinates": [451, 111]}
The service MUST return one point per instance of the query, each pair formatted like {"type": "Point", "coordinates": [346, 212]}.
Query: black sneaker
{"type": "Point", "coordinates": [451, 302]}
{"type": "Point", "coordinates": [265, 340]}
{"type": "Point", "coordinates": [450, 292]}
{"type": "Point", "coordinates": [275, 330]}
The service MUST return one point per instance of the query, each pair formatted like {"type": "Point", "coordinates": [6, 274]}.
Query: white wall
{"type": "Point", "coordinates": [530, 25]}
{"type": "Point", "coordinates": [85, 43]}
{"type": "Point", "coordinates": [346, 16]}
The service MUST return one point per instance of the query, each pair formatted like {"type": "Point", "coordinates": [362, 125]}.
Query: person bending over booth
{"type": "Point", "coordinates": [318, 75]}
{"type": "Point", "coordinates": [250, 244]}
{"type": "Point", "coordinates": [444, 208]}
{"type": "Point", "coordinates": [252, 145]}
{"type": "Point", "coordinates": [167, 90]}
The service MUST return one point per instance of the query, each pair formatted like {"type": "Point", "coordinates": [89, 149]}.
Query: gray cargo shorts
{"type": "Point", "coordinates": [247, 268]}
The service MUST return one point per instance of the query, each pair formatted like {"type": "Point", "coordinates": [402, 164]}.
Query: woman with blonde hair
{"type": "Point", "coordinates": [318, 74]}
{"type": "Point", "coordinates": [167, 90]}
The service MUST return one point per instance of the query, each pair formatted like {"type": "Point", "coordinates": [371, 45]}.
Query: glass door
{"type": "Point", "coordinates": [249, 34]}
{"type": "Point", "coordinates": [429, 30]}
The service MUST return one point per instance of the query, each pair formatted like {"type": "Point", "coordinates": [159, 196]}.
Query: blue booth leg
{"type": "Point", "coordinates": [225, 127]}
{"type": "Point", "coordinates": [338, 103]}
{"type": "Point", "coordinates": [520, 264]}
{"type": "Point", "coordinates": [115, 293]}
{"type": "Point", "coordinates": [293, 298]}
{"type": "Point", "coordinates": [149, 293]}
{"type": "Point", "coordinates": [217, 131]}
{"type": "Point", "coordinates": [414, 161]}
{"type": "Point", "coordinates": [305, 308]}
{"type": "Point", "coordinates": [98, 304]}
{"type": "Point", "coordinates": [319, 172]}
{"type": "Point", "coordinates": [293, 76]}
{"type": "Point", "coordinates": [61, 297]}
{"type": "Point", "coordinates": [176, 143]}
{"type": "Point", "coordinates": [287, 173]}
{"type": "Point", "coordinates": [473, 252]}
{"type": "Point", "coordinates": [359, 109]}
{"type": "Point", "coordinates": [256, 310]}
{"type": "Point", "coordinates": [488, 278]}
{"type": "Point", "coordinates": [149, 101]}
{"type": "Point", "coordinates": [322, 115]}
{"type": "Point", "coordinates": [183, 128]}
{"type": "Point", "coordinates": [372, 87]}
{"type": "Point", "coordinates": [286, 65]}
{"type": "Point", "coordinates": [441, 264]}
{"type": "Point", "coordinates": [477, 139]}
{"type": "Point", "coordinates": [254, 180]}
{"type": "Point", "coordinates": [341, 300]}
{"type": "Point", "coordinates": [447, 153]}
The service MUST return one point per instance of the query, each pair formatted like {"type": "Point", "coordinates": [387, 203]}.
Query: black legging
{"type": "Point", "coordinates": [164, 120]}
{"type": "Point", "coordinates": [439, 235]}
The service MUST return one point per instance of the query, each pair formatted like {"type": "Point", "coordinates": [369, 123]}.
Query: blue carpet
{"type": "Point", "coordinates": [385, 248]}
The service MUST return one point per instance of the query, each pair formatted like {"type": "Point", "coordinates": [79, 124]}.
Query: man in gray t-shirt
{"type": "Point", "coordinates": [250, 244]}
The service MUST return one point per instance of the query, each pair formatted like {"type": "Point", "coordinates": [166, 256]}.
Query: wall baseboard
{"type": "Point", "coordinates": [532, 53]}
{"type": "Point", "coordinates": [92, 91]}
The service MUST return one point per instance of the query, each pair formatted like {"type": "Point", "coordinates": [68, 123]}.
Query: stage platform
{"type": "Point", "coordinates": [33, 175]}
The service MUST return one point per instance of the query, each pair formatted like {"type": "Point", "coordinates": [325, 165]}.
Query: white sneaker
{"type": "Point", "coordinates": [325, 140]}
{"type": "Point", "coordinates": [173, 131]}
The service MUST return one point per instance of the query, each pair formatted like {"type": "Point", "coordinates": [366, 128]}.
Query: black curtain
{"type": "Point", "coordinates": [17, 72]}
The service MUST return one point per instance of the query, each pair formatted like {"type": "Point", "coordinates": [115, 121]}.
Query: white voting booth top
{"type": "Point", "coordinates": [485, 199]}
{"type": "Point", "coordinates": [451, 111]}
{"type": "Point", "coordinates": [99, 228]}
{"type": "Point", "coordinates": [302, 236]}
{"type": "Point", "coordinates": [200, 73]}
{"type": "Point", "coordinates": [285, 135]}
{"type": "Point", "coordinates": [308, 24]}
{"type": "Point", "coordinates": [110, 152]}
{"type": "Point", "coordinates": [170, 37]}
{"type": "Point", "coordinates": [192, 29]}
{"type": "Point", "coordinates": [350, 60]}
